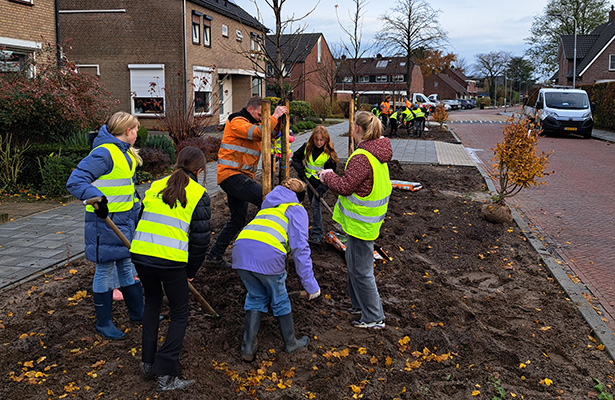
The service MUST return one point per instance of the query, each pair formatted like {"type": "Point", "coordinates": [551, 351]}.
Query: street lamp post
{"type": "Point", "coordinates": [574, 55]}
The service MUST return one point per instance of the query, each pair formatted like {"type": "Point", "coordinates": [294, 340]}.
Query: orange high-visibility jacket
{"type": "Point", "coordinates": [386, 107]}
{"type": "Point", "coordinates": [240, 149]}
{"type": "Point", "coordinates": [408, 104]}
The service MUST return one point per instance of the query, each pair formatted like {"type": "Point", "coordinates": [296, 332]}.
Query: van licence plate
{"type": "Point", "coordinates": [570, 128]}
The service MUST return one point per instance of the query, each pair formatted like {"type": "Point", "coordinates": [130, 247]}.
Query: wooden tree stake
{"type": "Point", "coordinates": [266, 146]}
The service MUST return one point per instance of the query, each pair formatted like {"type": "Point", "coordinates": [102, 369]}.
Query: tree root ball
{"type": "Point", "coordinates": [496, 213]}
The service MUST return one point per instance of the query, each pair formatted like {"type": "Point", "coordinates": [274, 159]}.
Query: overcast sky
{"type": "Point", "coordinates": [473, 26]}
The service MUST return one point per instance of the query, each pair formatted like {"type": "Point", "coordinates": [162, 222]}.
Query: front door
{"type": "Point", "coordinates": [226, 97]}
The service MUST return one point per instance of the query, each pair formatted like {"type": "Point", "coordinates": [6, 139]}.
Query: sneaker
{"type": "Point", "coordinates": [354, 311]}
{"type": "Point", "coordinates": [169, 382]}
{"type": "Point", "coordinates": [370, 325]}
{"type": "Point", "coordinates": [216, 262]}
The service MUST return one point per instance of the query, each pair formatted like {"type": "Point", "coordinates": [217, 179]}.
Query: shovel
{"type": "Point", "coordinates": [94, 203]}
{"type": "Point", "coordinates": [337, 226]}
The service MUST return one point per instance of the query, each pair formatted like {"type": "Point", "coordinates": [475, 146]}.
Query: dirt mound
{"type": "Point", "coordinates": [470, 309]}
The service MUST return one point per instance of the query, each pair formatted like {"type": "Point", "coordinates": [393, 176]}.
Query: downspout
{"type": "Point", "coordinates": [58, 52]}
{"type": "Point", "coordinates": [185, 60]}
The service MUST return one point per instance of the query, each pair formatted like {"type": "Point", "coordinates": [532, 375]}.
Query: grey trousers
{"type": "Point", "coordinates": [361, 281]}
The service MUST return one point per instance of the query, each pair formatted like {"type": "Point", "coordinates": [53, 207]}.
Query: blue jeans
{"type": "Point", "coordinates": [361, 281]}
{"type": "Point", "coordinates": [240, 190]}
{"type": "Point", "coordinates": [105, 277]}
{"type": "Point", "coordinates": [263, 290]}
{"type": "Point", "coordinates": [317, 228]}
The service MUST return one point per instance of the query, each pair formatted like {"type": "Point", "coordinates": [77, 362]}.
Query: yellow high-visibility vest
{"type": "Point", "coordinates": [163, 231]}
{"type": "Point", "coordinates": [270, 226]}
{"type": "Point", "coordinates": [117, 185]}
{"type": "Point", "coordinates": [362, 217]}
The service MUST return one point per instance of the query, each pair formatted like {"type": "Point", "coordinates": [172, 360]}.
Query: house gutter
{"type": "Point", "coordinates": [185, 59]}
{"type": "Point", "coordinates": [58, 52]}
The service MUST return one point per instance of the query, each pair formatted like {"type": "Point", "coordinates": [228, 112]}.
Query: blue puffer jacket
{"type": "Point", "coordinates": [101, 243]}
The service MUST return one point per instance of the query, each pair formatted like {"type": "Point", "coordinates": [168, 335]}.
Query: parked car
{"type": "Point", "coordinates": [473, 102]}
{"type": "Point", "coordinates": [465, 104]}
{"type": "Point", "coordinates": [454, 104]}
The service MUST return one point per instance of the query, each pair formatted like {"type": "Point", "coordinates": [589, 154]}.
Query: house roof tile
{"type": "Point", "coordinates": [294, 48]}
{"type": "Point", "coordinates": [376, 66]}
{"type": "Point", "coordinates": [229, 9]}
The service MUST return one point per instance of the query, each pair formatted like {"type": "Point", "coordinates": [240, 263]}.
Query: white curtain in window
{"type": "Point", "coordinates": [203, 79]}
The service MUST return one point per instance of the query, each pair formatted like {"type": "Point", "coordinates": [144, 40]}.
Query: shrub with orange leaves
{"type": "Point", "coordinates": [518, 163]}
{"type": "Point", "coordinates": [440, 115]}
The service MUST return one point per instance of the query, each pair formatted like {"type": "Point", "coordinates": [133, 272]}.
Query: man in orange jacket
{"type": "Point", "coordinates": [238, 158]}
{"type": "Point", "coordinates": [385, 111]}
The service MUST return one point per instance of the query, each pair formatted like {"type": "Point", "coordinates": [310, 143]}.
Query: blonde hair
{"type": "Point", "coordinates": [293, 184]}
{"type": "Point", "coordinates": [370, 126]}
{"type": "Point", "coordinates": [118, 123]}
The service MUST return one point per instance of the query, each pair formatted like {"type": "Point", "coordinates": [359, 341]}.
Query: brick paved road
{"type": "Point", "coordinates": [575, 211]}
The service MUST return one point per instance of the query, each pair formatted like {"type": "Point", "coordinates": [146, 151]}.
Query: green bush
{"type": "Point", "coordinates": [302, 109]}
{"type": "Point", "coordinates": [303, 126]}
{"type": "Point", "coordinates": [321, 108]}
{"type": "Point", "coordinates": [35, 154]}
{"type": "Point", "coordinates": [273, 100]}
{"type": "Point", "coordinates": [55, 170]}
{"type": "Point", "coordinates": [141, 137]}
{"type": "Point", "coordinates": [79, 138]}
{"type": "Point", "coordinates": [604, 112]}
{"type": "Point", "coordinates": [11, 163]}
{"type": "Point", "coordinates": [143, 176]}
{"type": "Point", "coordinates": [161, 142]}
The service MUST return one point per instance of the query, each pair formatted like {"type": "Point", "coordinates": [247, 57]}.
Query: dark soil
{"type": "Point", "coordinates": [432, 132]}
{"type": "Point", "coordinates": [470, 309]}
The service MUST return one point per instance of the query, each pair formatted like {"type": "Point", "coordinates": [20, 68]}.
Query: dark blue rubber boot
{"type": "Point", "coordinates": [133, 296]}
{"type": "Point", "coordinates": [104, 323]}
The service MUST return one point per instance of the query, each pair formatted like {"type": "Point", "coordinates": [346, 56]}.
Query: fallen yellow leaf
{"type": "Point", "coordinates": [475, 392]}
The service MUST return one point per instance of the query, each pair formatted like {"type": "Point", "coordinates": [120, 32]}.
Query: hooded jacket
{"type": "Point", "coordinates": [259, 257]}
{"type": "Point", "coordinates": [101, 243]}
{"type": "Point", "coordinates": [358, 177]}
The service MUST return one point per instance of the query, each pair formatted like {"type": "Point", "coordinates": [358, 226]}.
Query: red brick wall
{"type": "Point", "coordinates": [442, 89]}
{"type": "Point", "coordinates": [313, 86]}
{"type": "Point", "coordinates": [149, 32]}
{"type": "Point", "coordinates": [28, 22]}
{"type": "Point", "coordinates": [599, 68]}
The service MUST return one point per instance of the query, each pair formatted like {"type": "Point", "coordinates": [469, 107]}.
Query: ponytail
{"type": "Point", "coordinates": [371, 127]}
{"type": "Point", "coordinates": [190, 159]}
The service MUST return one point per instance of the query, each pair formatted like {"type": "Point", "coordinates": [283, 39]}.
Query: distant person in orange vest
{"type": "Point", "coordinates": [238, 159]}
{"type": "Point", "coordinates": [385, 111]}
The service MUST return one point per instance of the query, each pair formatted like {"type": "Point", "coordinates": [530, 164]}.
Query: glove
{"type": "Point", "coordinates": [103, 211]}
{"type": "Point", "coordinates": [314, 295]}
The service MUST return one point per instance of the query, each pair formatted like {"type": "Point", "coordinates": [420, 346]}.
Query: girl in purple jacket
{"type": "Point", "coordinates": [259, 256]}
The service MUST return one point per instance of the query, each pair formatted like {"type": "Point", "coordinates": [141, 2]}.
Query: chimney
{"type": "Point", "coordinates": [612, 14]}
{"type": "Point", "coordinates": [378, 56]}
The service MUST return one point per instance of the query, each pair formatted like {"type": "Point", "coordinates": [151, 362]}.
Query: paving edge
{"type": "Point", "coordinates": [42, 272]}
{"type": "Point", "coordinates": [574, 291]}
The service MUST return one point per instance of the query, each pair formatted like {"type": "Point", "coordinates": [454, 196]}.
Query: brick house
{"type": "Point", "coordinates": [445, 87]}
{"type": "Point", "coordinates": [156, 61]}
{"type": "Point", "coordinates": [595, 55]}
{"type": "Point", "coordinates": [377, 77]}
{"type": "Point", "coordinates": [25, 27]}
{"type": "Point", "coordinates": [308, 56]}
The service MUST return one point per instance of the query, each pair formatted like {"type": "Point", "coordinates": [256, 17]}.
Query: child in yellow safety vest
{"type": "Point", "coordinates": [312, 157]}
{"type": "Point", "coordinates": [279, 229]}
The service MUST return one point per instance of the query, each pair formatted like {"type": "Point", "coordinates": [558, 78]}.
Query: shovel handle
{"type": "Point", "coordinates": [309, 185]}
{"type": "Point", "coordinates": [202, 301]}
{"type": "Point", "coordinates": [94, 203]}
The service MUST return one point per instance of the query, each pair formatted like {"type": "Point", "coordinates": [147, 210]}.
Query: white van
{"type": "Point", "coordinates": [563, 111]}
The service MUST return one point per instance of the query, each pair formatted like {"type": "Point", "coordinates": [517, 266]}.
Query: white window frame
{"type": "Point", "coordinates": [206, 35]}
{"type": "Point", "coordinates": [347, 79]}
{"type": "Point", "coordinates": [257, 86]}
{"type": "Point", "coordinates": [611, 62]}
{"type": "Point", "coordinates": [224, 30]}
{"type": "Point", "coordinates": [238, 35]}
{"type": "Point", "coordinates": [202, 78]}
{"type": "Point", "coordinates": [398, 78]}
{"type": "Point", "coordinates": [196, 28]}
{"type": "Point", "coordinates": [141, 77]}
{"type": "Point", "coordinates": [382, 78]}
{"type": "Point", "coordinates": [319, 44]}
{"type": "Point", "coordinates": [363, 79]}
